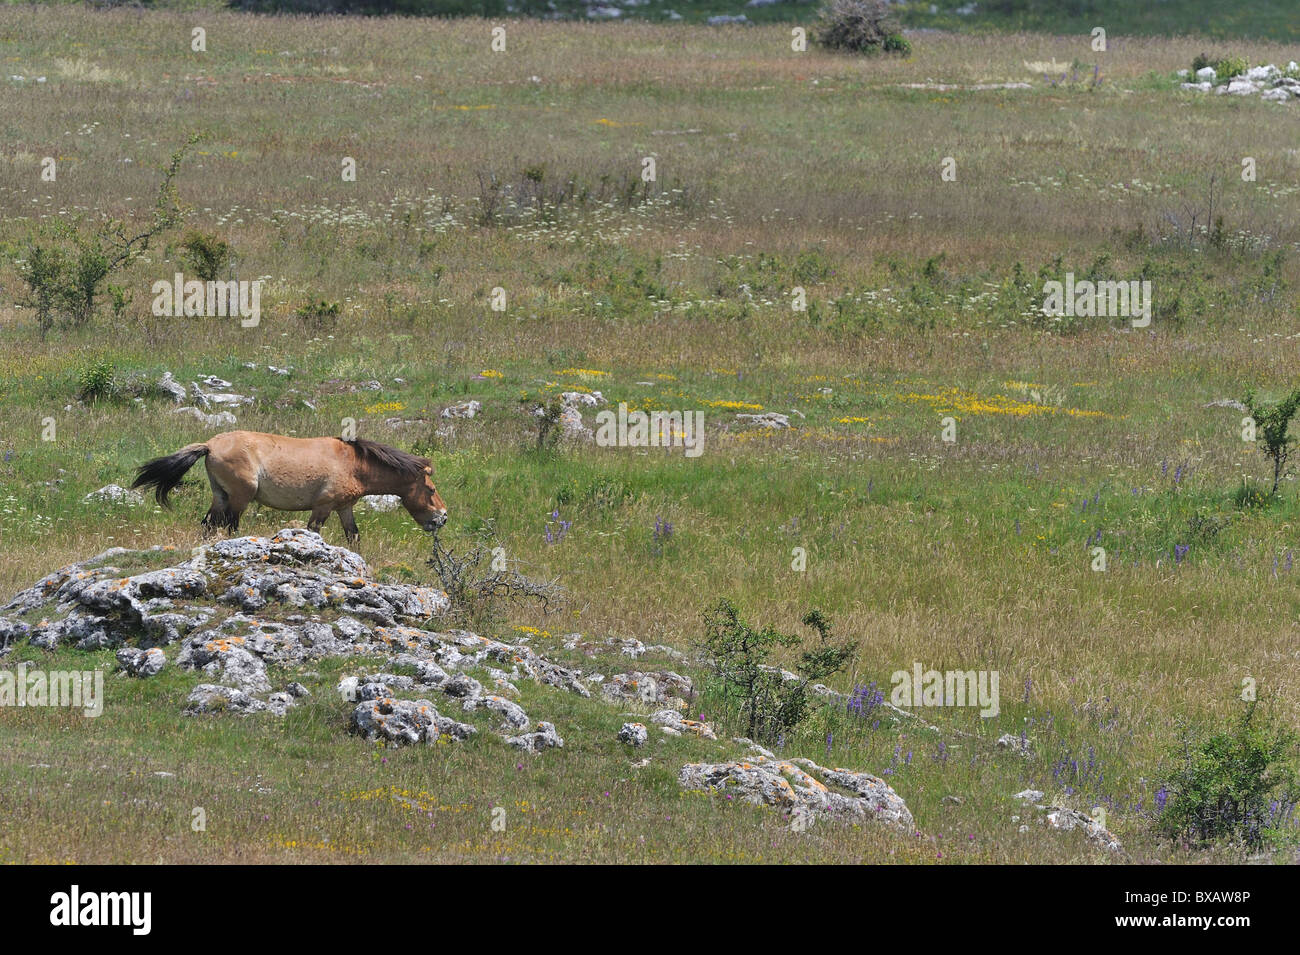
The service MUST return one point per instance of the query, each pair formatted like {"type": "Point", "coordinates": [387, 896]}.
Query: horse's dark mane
{"type": "Point", "coordinates": [401, 461]}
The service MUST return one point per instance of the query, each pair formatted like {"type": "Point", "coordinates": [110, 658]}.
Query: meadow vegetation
{"type": "Point", "coordinates": [775, 170]}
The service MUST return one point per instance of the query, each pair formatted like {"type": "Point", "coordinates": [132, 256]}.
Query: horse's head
{"type": "Point", "coordinates": [423, 502]}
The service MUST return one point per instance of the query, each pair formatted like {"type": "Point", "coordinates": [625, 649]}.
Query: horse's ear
{"type": "Point", "coordinates": [428, 470]}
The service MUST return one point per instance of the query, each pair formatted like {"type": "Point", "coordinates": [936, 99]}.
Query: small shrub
{"type": "Point", "coordinates": [897, 43]}
{"type": "Point", "coordinates": [859, 26]}
{"type": "Point", "coordinates": [1229, 66]}
{"type": "Point", "coordinates": [1248, 495]}
{"type": "Point", "coordinates": [318, 315]}
{"type": "Point", "coordinates": [97, 380]}
{"type": "Point", "coordinates": [753, 693]}
{"type": "Point", "coordinates": [120, 300]}
{"type": "Point", "coordinates": [1236, 787]}
{"type": "Point", "coordinates": [477, 592]}
{"type": "Point", "coordinates": [208, 256]}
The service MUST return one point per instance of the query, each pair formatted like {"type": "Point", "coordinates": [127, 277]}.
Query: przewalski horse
{"type": "Point", "coordinates": [321, 475]}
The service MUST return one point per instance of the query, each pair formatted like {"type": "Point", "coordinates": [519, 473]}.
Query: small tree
{"type": "Point", "coordinates": [546, 412]}
{"type": "Point", "coordinates": [1272, 423]}
{"type": "Point", "coordinates": [65, 270]}
{"type": "Point", "coordinates": [766, 700]}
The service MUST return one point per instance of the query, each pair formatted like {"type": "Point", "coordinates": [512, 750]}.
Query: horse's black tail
{"type": "Point", "coordinates": [163, 474]}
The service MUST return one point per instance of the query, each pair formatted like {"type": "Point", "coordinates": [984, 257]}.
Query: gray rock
{"type": "Point", "coordinates": [208, 399]}
{"type": "Point", "coordinates": [1226, 403]}
{"type": "Point", "coordinates": [173, 387]}
{"type": "Point", "coordinates": [768, 419]}
{"type": "Point", "coordinates": [634, 734]}
{"type": "Point", "coordinates": [466, 409]}
{"type": "Point", "coordinates": [582, 399]}
{"type": "Point", "coordinates": [1238, 86]}
{"type": "Point", "coordinates": [142, 663]}
{"type": "Point", "coordinates": [11, 631]}
{"type": "Point", "coordinates": [1067, 820]}
{"type": "Point", "coordinates": [402, 722]}
{"type": "Point", "coordinates": [800, 786]}
{"type": "Point", "coordinates": [1262, 74]}
{"type": "Point", "coordinates": [225, 659]}
{"type": "Point", "coordinates": [544, 737]}
{"type": "Point", "coordinates": [218, 420]}
{"type": "Point", "coordinates": [114, 494]}
{"type": "Point", "coordinates": [462, 686]}
{"type": "Point", "coordinates": [675, 724]}
{"type": "Point", "coordinates": [212, 698]}
{"type": "Point", "coordinates": [278, 703]}
{"type": "Point", "coordinates": [512, 713]}
{"type": "Point", "coordinates": [1017, 744]}
{"type": "Point", "coordinates": [373, 691]}
{"type": "Point", "coordinates": [656, 687]}
{"type": "Point", "coordinates": [391, 679]}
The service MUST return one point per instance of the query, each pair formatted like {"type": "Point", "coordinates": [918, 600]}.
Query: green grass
{"type": "Point", "coordinates": [1263, 20]}
{"type": "Point", "coordinates": [775, 170]}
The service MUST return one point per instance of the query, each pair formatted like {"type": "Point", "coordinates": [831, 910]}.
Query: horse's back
{"type": "Point", "coordinates": [282, 471]}
{"type": "Point", "coordinates": [259, 445]}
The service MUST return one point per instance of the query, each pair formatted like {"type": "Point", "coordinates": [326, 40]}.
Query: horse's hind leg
{"type": "Point", "coordinates": [240, 497]}
{"type": "Point", "coordinates": [218, 516]}
{"type": "Point", "coordinates": [228, 505]}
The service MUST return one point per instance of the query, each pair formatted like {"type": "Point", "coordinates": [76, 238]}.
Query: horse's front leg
{"type": "Point", "coordinates": [349, 524]}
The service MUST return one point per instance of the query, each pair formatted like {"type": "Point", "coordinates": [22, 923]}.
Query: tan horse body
{"type": "Point", "coordinates": [321, 475]}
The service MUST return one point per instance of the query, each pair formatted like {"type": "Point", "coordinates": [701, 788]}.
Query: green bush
{"type": "Point", "coordinates": [318, 315]}
{"type": "Point", "coordinates": [1225, 67]}
{"type": "Point", "coordinates": [208, 256]}
{"type": "Point", "coordinates": [754, 695]}
{"type": "Point", "coordinates": [1235, 787]}
{"type": "Point", "coordinates": [97, 380]}
{"type": "Point", "coordinates": [859, 26]}
{"type": "Point", "coordinates": [1230, 66]}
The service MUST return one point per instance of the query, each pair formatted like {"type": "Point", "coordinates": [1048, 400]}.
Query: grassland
{"type": "Point", "coordinates": [775, 169]}
{"type": "Point", "coordinates": [1209, 19]}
